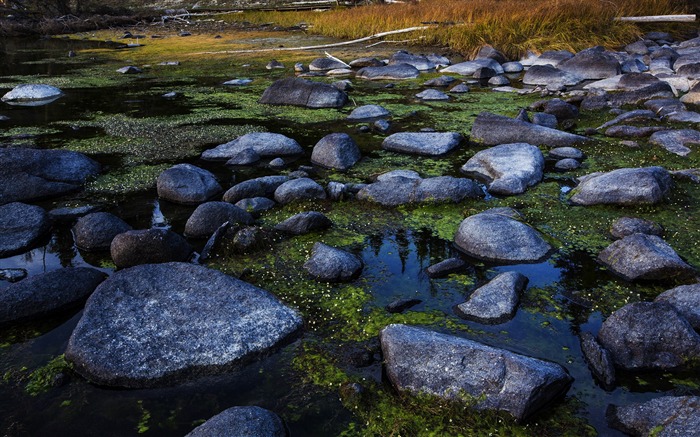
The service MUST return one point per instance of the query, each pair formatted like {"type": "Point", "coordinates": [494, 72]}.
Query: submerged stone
{"type": "Point", "coordinates": [302, 92]}
{"type": "Point", "coordinates": [492, 130]}
{"type": "Point", "coordinates": [97, 230]}
{"type": "Point", "coordinates": [332, 264]}
{"type": "Point", "coordinates": [664, 416]}
{"type": "Point", "coordinates": [496, 301]}
{"type": "Point", "coordinates": [187, 184]}
{"type": "Point", "coordinates": [243, 422]}
{"type": "Point", "coordinates": [265, 144]}
{"type": "Point", "coordinates": [21, 227]}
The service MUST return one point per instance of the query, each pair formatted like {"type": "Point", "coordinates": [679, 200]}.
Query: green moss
{"type": "Point", "coordinates": [442, 220]}
{"type": "Point", "coordinates": [43, 378]}
{"type": "Point", "coordinates": [127, 180]}
{"type": "Point", "coordinates": [142, 426]}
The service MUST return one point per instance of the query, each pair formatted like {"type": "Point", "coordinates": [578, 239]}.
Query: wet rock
{"type": "Point", "coordinates": [492, 236]}
{"type": "Point", "coordinates": [445, 267]}
{"type": "Point", "coordinates": [336, 191]}
{"type": "Point", "coordinates": [336, 151]}
{"type": "Point", "coordinates": [565, 152]}
{"type": "Point", "coordinates": [187, 185]}
{"type": "Point", "coordinates": [189, 320]}
{"type": "Point", "coordinates": [129, 69]}
{"type": "Point", "coordinates": [659, 90]}
{"type": "Point", "coordinates": [484, 73]}
{"type": "Point", "coordinates": [432, 94]}
{"type": "Point", "coordinates": [599, 361]}
{"type": "Point", "coordinates": [21, 227]}
{"type": "Point", "coordinates": [95, 231]}
{"type": "Point", "coordinates": [368, 113]}
{"type": "Point", "coordinates": [32, 174]}
{"type": "Point", "coordinates": [12, 275]}
{"type": "Point", "coordinates": [249, 238]}
{"type": "Point", "coordinates": [48, 293]}
{"type": "Point", "coordinates": [274, 65]}
{"type": "Point", "coordinates": [242, 421]}
{"type": "Point", "coordinates": [560, 109]}
{"type": "Point", "coordinates": [421, 361]}
{"type": "Point", "coordinates": [256, 205]}
{"type": "Point", "coordinates": [277, 164]}
{"type": "Point", "coordinates": [488, 52]}
{"type": "Point", "coordinates": [400, 190]}
{"type": "Point", "coordinates": [664, 416]}
{"type": "Point", "coordinates": [299, 189]}
{"type": "Point", "coordinates": [460, 88]}
{"type": "Point", "coordinates": [623, 131]}
{"type": "Point", "coordinates": [32, 93]}
{"type": "Point", "coordinates": [421, 63]}
{"type": "Point", "coordinates": [468, 68]}
{"type": "Point", "coordinates": [302, 92]}
{"type": "Point", "coordinates": [264, 186]}
{"type": "Point", "coordinates": [332, 264]}
{"type": "Point", "coordinates": [496, 301]}
{"type": "Point", "coordinates": [149, 246]}
{"type": "Point", "coordinates": [246, 156]}
{"type": "Point", "coordinates": [499, 81]}
{"type": "Point", "coordinates": [512, 67]}
{"type": "Point", "coordinates": [625, 226]}
{"type": "Point", "coordinates": [265, 144]}
{"type": "Point", "coordinates": [649, 335]}
{"type": "Point", "coordinates": [567, 164]}
{"type": "Point", "coordinates": [491, 130]}
{"type": "Point", "coordinates": [442, 81]}
{"type": "Point", "coordinates": [207, 218]}
{"type": "Point", "coordinates": [676, 141]}
{"type": "Point", "coordinates": [546, 74]}
{"type": "Point", "coordinates": [389, 72]}
{"type": "Point", "coordinates": [422, 143]}
{"type": "Point", "coordinates": [592, 63]}
{"type": "Point", "coordinates": [326, 64]}
{"type": "Point", "coordinates": [508, 168]}
{"type": "Point", "coordinates": [366, 62]}
{"type": "Point", "coordinates": [400, 305]}
{"type": "Point", "coordinates": [304, 222]}
{"type": "Point", "coordinates": [637, 115]}
{"type": "Point", "coordinates": [625, 186]}
{"type": "Point", "coordinates": [686, 300]}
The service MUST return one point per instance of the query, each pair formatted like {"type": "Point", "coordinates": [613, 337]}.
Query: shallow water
{"type": "Point", "coordinates": [552, 313]}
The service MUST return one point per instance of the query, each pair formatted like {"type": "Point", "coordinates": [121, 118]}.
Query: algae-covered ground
{"type": "Point", "coordinates": [328, 382]}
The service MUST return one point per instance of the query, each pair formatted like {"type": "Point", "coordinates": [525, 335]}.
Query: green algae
{"type": "Point", "coordinates": [44, 378]}
{"type": "Point", "coordinates": [128, 180]}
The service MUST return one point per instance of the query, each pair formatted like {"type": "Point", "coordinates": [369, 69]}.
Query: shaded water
{"type": "Point", "coordinates": [547, 324]}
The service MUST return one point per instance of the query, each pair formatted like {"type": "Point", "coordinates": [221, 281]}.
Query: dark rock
{"type": "Point", "coordinates": [623, 131]}
{"type": "Point", "coordinates": [95, 231]}
{"type": "Point", "coordinates": [207, 218]}
{"type": "Point", "coordinates": [625, 186]}
{"type": "Point", "coordinates": [187, 184]}
{"type": "Point", "coordinates": [643, 115]}
{"type": "Point", "coordinates": [214, 242]}
{"type": "Point", "coordinates": [274, 65]}
{"type": "Point", "coordinates": [684, 117]}
{"type": "Point", "coordinates": [676, 141]}
{"type": "Point", "coordinates": [495, 302]}
{"type": "Point", "coordinates": [637, 48]}
{"type": "Point", "coordinates": [326, 64]}
{"type": "Point", "coordinates": [664, 416]}
{"type": "Point", "coordinates": [560, 109]}
{"type": "Point", "coordinates": [69, 214]}
{"type": "Point", "coordinates": [491, 130]}
{"type": "Point", "coordinates": [442, 81]}
{"type": "Point", "coordinates": [368, 113]}
{"type": "Point", "coordinates": [422, 143]}
{"type": "Point", "coordinates": [301, 92]}
{"type": "Point", "coordinates": [567, 164]}
{"type": "Point", "coordinates": [265, 144]}
{"type": "Point", "coordinates": [188, 321]}
{"type": "Point", "coordinates": [400, 305]}
{"type": "Point", "coordinates": [299, 189]}
{"type": "Point", "coordinates": [397, 189]}
{"type": "Point", "coordinates": [336, 190]}
{"type": "Point", "coordinates": [492, 236]}
{"type": "Point", "coordinates": [499, 80]}
{"type": "Point", "coordinates": [21, 227]}
{"type": "Point", "coordinates": [599, 361]}
{"type": "Point", "coordinates": [644, 257]}
{"type": "Point", "coordinates": [332, 264]}
{"type": "Point", "coordinates": [691, 71]}
{"type": "Point", "coordinates": [592, 63]}
{"type": "Point", "coordinates": [421, 63]}
{"type": "Point", "coordinates": [249, 239]}
{"type": "Point", "coordinates": [32, 174]}
{"type": "Point", "coordinates": [389, 72]}
{"type": "Point", "coordinates": [432, 94]}
{"type": "Point", "coordinates": [343, 85]}
{"type": "Point", "coordinates": [336, 151]}
{"type": "Point", "coordinates": [446, 189]}
{"type": "Point", "coordinates": [460, 88]}
{"type": "Point", "coordinates": [149, 246]}
{"type": "Point", "coordinates": [422, 361]}
{"type": "Point", "coordinates": [546, 75]}
{"type": "Point", "coordinates": [13, 275]}
{"type": "Point", "coordinates": [468, 68]}
{"type": "Point", "coordinates": [242, 421]}
{"type": "Point", "coordinates": [445, 267]}
{"type": "Point", "coordinates": [129, 69]}
{"type": "Point", "coordinates": [507, 168]}
{"type": "Point", "coordinates": [382, 126]}
{"type": "Point", "coordinates": [488, 52]}
{"type": "Point", "coordinates": [565, 152]}
{"type": "Point", "coordinates": [304, 222]}
{"type": "Point", "coordinates": [366, 62]}
{"type": "Point", "coordinates": [277, 164]}
{"type": "Point", "coordinates": [256, 205]}
{"type": "Point", "coordinates": [635, 81]}
{"type": "Point", "coordinates": [659, 90]}
{"type": "Point", "coordinates": [246, 156]}
{"type": "Point", "coordinates": [625, 226]}
{"type": "Point", "coordinates": [686, 300]}
{"type": "Point", "coordinates": [633, 66]}
{"type": "Point", "coordinates": [484, 73]}
{"type": "Point", "coordinates": [649, 335]}
{"type": "Point", "coordinates": [264, 186]}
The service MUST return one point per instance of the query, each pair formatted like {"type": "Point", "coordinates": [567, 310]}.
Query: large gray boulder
{"type": "Point", "coordinates": [644, 257]}
{"type": "Point", "coordinates": [302, 92]}
{"type": "Point", "coordinates": [496, 301]}
{"type": "Point", "coordinates": [665, 416]}
{"type": "Point", "coordinates": [468, 68]}
{"type": "Point", "coordinates": [508, 168]}
{"type": "Point", "coordinates": [243, 422]}
{"type": "Point", "coordinates": [549, 75]}
{"type": "Point", "coordinates": [686, 300]}
{"type": "Point", "coordinates": [422, 143]}
{"type": "Point", "coordinates": [264, 144]}
{"type": "Point", "coordinates": [331, 264]}
{"type": "Point", "coordinates": [299, 189]}
{"type": "Point", "coordinates": [149, 246]}
{"type": "Point", "coordinates": [421, 361]}
{"type": "Point", "coordinates": [47, 293]}
{"type": "Point", "coordinates": [264, 186]}
{"type": "Point", "coordinates": [208, 217]}
{"type": "Point", "coordinates": [31, 174]}
{"type": "Point", "coordinates": [421, 63]}
{"type": "Point", "coordinates": [326, 64]}
{"type": "Point", "coordinates": [492, 130]}
{"type": "Point", "coordinates": [95, 231]}
{"type": "Point", "coordinates": [158, 323]}
{"type": "Point", "coordinates": [592, 63]}
{"type": "Point", "coordinates": [304, 222]}
{"type": "Point", "coordinates": [32, 94]}
{"type": "Point", "coordinates": [649, 335]}
{"type": "Point", "coordinates": [395, 188]}
{"type": "Point", "coordinates": [624, 186]}
{"type": "Point", "coordinates": [368, 113]}
{"type": "Point", "coordinates": [625, 226]}
{"type": "Point", "coordinates": [336, 151]}
{"type": "Point", "coordinates": [187, 185]}
{"type": "Point", "coordinates": [677, 140]}
{"type": "Point", "coordinates": [493, 236]}
{"type": "Point", "coordinates": [389, 72]}
{"type": "Point", "coordinates": [21, 226]}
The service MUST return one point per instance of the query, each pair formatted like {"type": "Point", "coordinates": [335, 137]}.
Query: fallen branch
{"type": "Point", "coordinates": [322, 46]}
{"type": "Point", "coordinates": [659, 19]}
{"type": "Point", "coordinates": [403, 41]}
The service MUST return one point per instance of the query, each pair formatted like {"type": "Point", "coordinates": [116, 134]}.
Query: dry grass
{"type": "Point", "coordinates": [513, 26]}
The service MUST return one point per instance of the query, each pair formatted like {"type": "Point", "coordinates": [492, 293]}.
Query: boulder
{"type": "Point", "coordinates": [560, 109]}
{"type": "Point", "coordinates": [432, 94]}
{"type": "Point", "coordinates": [400, 190]}
{"type": "Point", "coordinates": [21, 227]}
{"type": "Point", "coordinates": [264, 186]}
{"type": "Point", "coordinates": [265, 144]}
{"type": "Point", "coordinates": [401, 304]}
{"type": "Point", "coordinates": [187, 185]}
{"type": "Point", "coordinates": [567, 164]}
{"type": "Point", "coordinates": [442, 81]}
{"type": "Point", "coordinates": [496, 301]}
{"type": "Point", "coordinates": [507, 169]}
{"type": "Point", "coordinates": [32, 174]}
{"type": "Point", "coordinates": [649, 335]}
{"type": "Point", "coordinates": [299, 189]}
{"type": "Point", "coordinates": [445, 267]}
{"type": "Point", "coordinates": [549, 57]}
{"type": "Point", "coordinates": [676, 141]}
{"type": "Point", "coordinates": [331, 264]}
{"type": "Point", "coordinates": [625, 226]}
{"type": "Point", "coordinates": [97, 230]}
{"type": "Point", "coordinates": [389, 72]}
{"type": "Point", "coordinates": [624, 186]}
{"type": "Point", "coordinates": [421, 63]}
{"type": "Point", "coordinates": [368, 113]}
{"type": "Point", "coordinates": [366, 62]}
{"type": "Point", "coordinates": [498, 81]}
{"type": "Point", "coordinates": [421, 361]}
{"type": "Point", "coordinates": [638, 115]}
{"type": "Point", "coordinates": [686, 300]}
{"type": "Point", "coordinates": [488, 52]}
{"type": "Point", "coordinates": [623, 131]}
{"type": "Point", "coordinates": [31, 94]}
{"type": "Point", "coordinates": [543, 119]}
{"type": "Point", "coordinates": [207, 218]}
{"type": "Point", "coordinates": [256, 205]}
{"type": "Point", "coordinates": [304, 222]}
{"type": "Point", "coordinates": [422, 143]}
{"type": "Point", "coordinates": [302, 92]}
{"type": "Point", "coordinates": [149, 246]}
{"type": "Point", "coordinates": [244, 157]}
{"type": "Point", "coordinates": [242, 421]}
{"type": "Point", "coordinates": [491, 130]}
{"type": "Point", "coordinates": [48, 293]}
{"type": "Point", "coordinates": [664, 416]}
{"type": "Point", "coordinates": [658, 90]}
{"type": "Point", "coordinates": [336, 151]}
{"type": "Point", "coordinates": [129, 69]}
{"type": "Point", "coordinates": [156, 324]}
{"type": "Point", "coordinates": [69, 214]}
{"type": "Point", "coordinates": [512, 67]}
{"type": "Point", "coordinates": [592, 63]}
{"type": "Point", "coordinates": [565, 152]}
{"type": "Point", "coordinates": [326, 64]}
{"type": "Point", "coordinates": [644, 257]}
{"type": "Point", "coordinates": [492, 236]}
{"type": "Point", "coordinates": [468, 68]}
{"type": "Point", "coordinates": [546, 75]}
{"type": "Point", "coordinates": [599, 361]}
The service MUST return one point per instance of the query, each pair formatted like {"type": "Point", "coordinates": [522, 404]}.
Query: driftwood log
{"type": "Point", "coordinates": [660, 19]}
